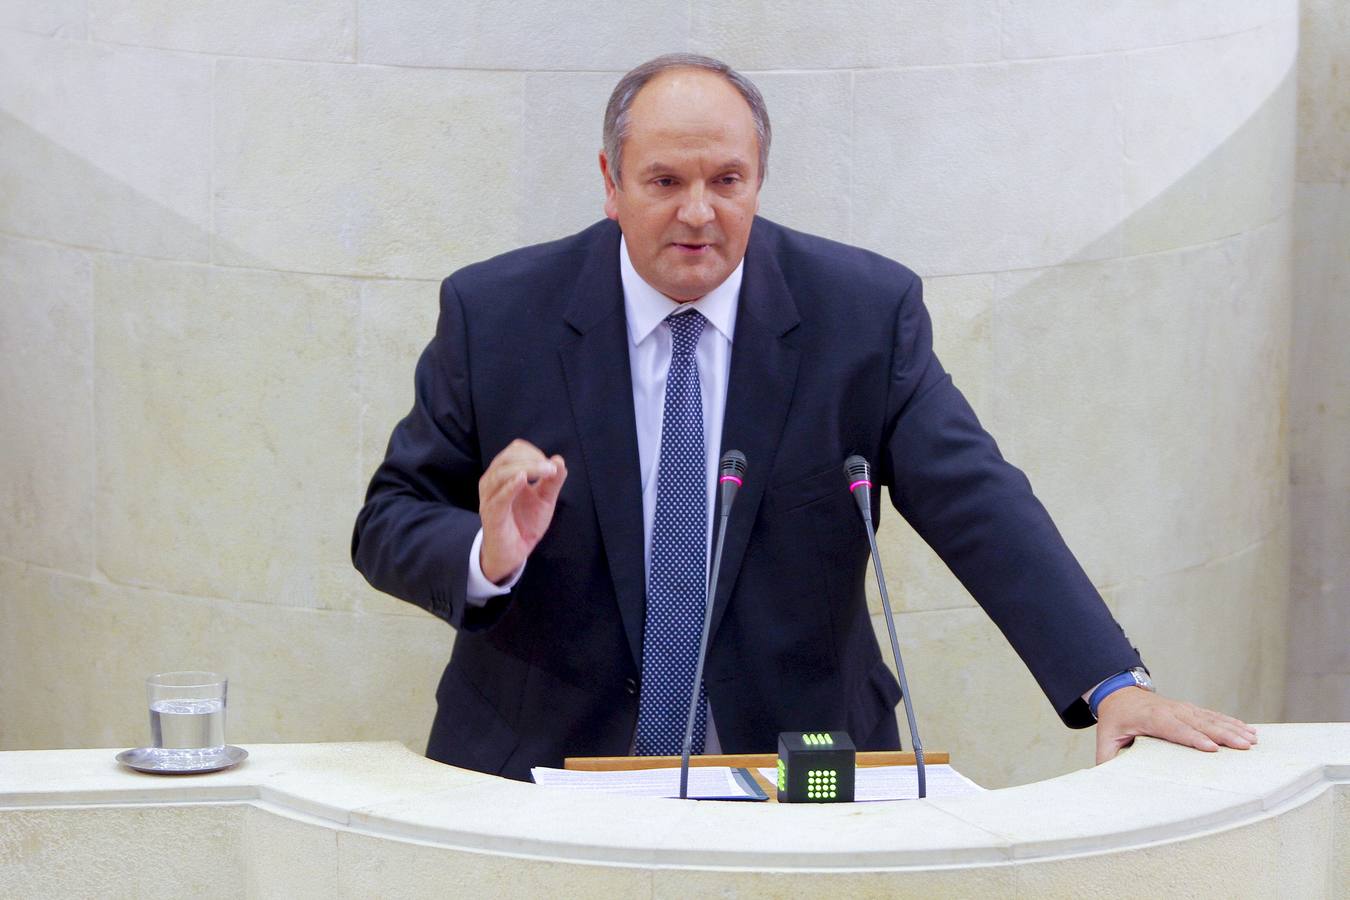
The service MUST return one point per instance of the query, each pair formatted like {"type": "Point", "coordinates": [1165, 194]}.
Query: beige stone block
{"type": "Point", "coordinates": [298, 29]}
{"type": "Point", "coordinates": [1340, 864]}
{"type": "Point", "coordinates": [1087, 811]}
{"type": "Point", "coordinates": [46, 391]}
{"type": "Point", "coordinates": [1144, 399]}
{"type": "Point", "coordinates": [490, 815]}
{"type": "Point", "coordinates": [1265, 702]}
{"type": "Point", "coordinates": [1318, 698]}
{"type": "Point", "coordinates": [286, 856]}
{"type": "Point", "coordinates": [85, 648]}
{"type": "Point", "coordinates": [985, 168]}
{"type": "Point", "coordinates": [372, 867]}
{"type": "Point", "coordinates": [1288, 767]}
{"type": "Point", "coordinates": [227, 417]}
{"type": "Point", "coordinates": [810, 159]}
{"type": "Point", "coordinates": [125, 851]}
{"type": "Point", "coordinates": [1319, 633]}
{"type": "Point", "coordinates": [563, 191]}
{"type": "Point", "coordinates": [1274, 774]}
{"type": "Point", "coordinates": [105, 147]}
{"type": "Point", "coordinates": [365, 170]}
{"type": "Point", "coordinates": [841, 838]}
{"type": "Point", "coordinates": [478, 34]}
{"type": "Point", "coordinates": [337, 781]}
{"type": "Point", "coordinates": [1209, 137]}
{"type": "Point", "coordinates": [970, 882]}
{"type": "Point", "coordinates": [1053, 28]}
{"type": "Point", "coordinates": [1319, 366]}
{"type": "Point", "coordinates": [398, 319]}
{"type": "Point", "coordinates": [1284, 856]}
{"type": "Point", "coordinates": [63, 19]}
{"type": "Point", "coordinates": [829, 34]}
{"type": "Point", "coordinates": [975, 699]}
{"type": "Point", "coordinates": [962, 311]}
{"type": "Point", "coordinates": [1323, 102]}
{"type": "Point", "coordinates": [1203, 631]}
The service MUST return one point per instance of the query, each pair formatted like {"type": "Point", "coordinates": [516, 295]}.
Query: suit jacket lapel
{"type": "Point", "coordinates": [599, 384]}
{"type": "Point", "coordinates": [763, 375]}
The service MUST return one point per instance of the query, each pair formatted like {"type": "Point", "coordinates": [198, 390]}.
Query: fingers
{"type": "Point", "coordinates": [1217, 729]}
{"type": "Point", "coordinates": [516, 497]}
{"type": "Point", "coordinates": [520, 462]}
{"type": "Point", "coordinates": [550, 485]}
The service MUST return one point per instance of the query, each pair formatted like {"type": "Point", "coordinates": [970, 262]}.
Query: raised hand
{"type": "Point", "coordinates": [516, 497]}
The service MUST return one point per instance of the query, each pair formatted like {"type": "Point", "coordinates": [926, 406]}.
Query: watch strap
{"type": "Point", "coordinates": [1128, 678]}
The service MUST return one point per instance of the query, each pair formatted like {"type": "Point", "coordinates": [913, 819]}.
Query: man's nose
{"type": "Point", "coordinates": [695, 210]}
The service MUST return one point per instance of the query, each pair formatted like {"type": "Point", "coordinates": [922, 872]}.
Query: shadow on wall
{"type": "Point", "coordinates": [1170, 487]}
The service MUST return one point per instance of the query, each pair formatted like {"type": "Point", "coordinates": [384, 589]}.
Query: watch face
{"type": "Point", "coordinates": [1141, 678]}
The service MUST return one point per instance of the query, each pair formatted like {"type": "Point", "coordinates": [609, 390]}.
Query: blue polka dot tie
{"type": "Point", "coordinates": [676, 582]}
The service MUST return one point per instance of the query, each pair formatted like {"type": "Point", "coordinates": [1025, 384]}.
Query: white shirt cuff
{"type": "Point", "coordinates": [480, 590]}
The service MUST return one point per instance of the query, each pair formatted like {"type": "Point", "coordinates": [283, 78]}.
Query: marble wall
{"type": "Point", "coordinates": [1319, 640]}
{"type": "Point", "coordinates": [221, 229]}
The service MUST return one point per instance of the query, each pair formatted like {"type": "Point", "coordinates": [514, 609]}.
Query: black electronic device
{"type": "Point", "coordinates": [816, 767]}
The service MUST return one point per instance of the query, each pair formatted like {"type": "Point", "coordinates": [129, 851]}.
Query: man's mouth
{"type": "Point", "coordinates": [692, 248]}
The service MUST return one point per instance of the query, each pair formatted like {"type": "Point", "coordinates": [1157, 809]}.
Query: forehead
{"type": "Point", "coordinates": [685, 105]}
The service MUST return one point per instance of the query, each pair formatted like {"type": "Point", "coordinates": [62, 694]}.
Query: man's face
{"type": "Point", "coordinates": [689, 188]}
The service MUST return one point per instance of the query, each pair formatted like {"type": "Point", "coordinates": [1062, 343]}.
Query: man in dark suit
{"type": "Point", "coordinates": [550, 492]}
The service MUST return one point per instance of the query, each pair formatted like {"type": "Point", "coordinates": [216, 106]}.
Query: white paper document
{"type": "Point", "coordinates": [705, 782]}
{"type": "Point", "coordinates": [902, 782]}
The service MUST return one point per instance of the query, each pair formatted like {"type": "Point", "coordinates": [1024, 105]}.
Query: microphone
{"type": "Point", "coordinates": [730, 475]}
{"type": "Point", "coordinates": [859, 475]}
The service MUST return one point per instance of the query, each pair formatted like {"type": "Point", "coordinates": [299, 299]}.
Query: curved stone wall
{"type": "Point", "coordinates": [221, 231]}
{"type": "Point", "coordinates": [372, 820]}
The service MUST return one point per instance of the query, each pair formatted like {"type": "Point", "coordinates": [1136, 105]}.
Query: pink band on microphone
{"type": "Point", "coordinates": [730, 478]}
{"type": "Point", "coordinates": [852, 487]}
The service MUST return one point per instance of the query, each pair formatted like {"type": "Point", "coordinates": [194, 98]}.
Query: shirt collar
{"type": "Point", "coordinates": [646, 307]}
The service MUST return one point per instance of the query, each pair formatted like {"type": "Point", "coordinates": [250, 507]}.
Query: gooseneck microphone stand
{"type": "Point", "coordinates": [731, 473]}
{"type": "Point", "coordinates": [859, 475]}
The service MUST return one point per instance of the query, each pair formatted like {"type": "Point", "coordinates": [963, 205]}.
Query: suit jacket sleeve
{"type": "Point", "coordinates": [978, 513]}
{"type": "Point", "coordinates": [413, 535]}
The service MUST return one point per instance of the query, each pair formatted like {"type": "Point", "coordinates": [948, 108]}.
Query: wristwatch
{"type": "Point", "coordinates": [1136, 677]}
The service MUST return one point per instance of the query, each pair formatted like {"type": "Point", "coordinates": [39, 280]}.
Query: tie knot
{"type": "Point", "coordinates": [685, 329]}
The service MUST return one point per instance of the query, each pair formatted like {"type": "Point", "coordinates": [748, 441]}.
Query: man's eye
{"type": "Point", "coordinates": [729, 179]}
{"type": "Point", "coordinates": [664, 182]}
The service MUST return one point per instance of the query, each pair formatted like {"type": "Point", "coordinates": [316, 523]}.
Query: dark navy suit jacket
{"type": "Point", "coordinates": [832, 356]}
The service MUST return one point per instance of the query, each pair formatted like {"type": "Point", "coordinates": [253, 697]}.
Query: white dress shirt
{"type": "Point", "coordinates": [646, 309]}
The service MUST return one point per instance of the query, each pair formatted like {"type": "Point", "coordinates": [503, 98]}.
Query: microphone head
{"type": "Point", "coordinates": [857, 469]}
{"type": "Point", "coordinates": [730, 474]}
{"type": "Point", "coordinates": [859, 475]}
{"type": "Point", "coordinates": [733, 463]}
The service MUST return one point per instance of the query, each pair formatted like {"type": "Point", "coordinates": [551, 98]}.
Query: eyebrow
{"type": "Point", "coordinates": [658, 167]}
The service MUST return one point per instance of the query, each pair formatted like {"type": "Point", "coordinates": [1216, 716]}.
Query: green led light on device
{"type": "Point", "coordinates": [815, 767]}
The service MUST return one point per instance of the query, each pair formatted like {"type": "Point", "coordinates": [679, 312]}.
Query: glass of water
{"type": "Point", "coordinates": [187, 713]}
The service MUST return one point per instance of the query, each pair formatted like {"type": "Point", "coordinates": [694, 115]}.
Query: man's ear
{"type": "Point", "coordinates": [611, 189]}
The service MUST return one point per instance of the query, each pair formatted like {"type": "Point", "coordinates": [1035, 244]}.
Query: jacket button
{"type": "Point", "coordinates": [630, 685]}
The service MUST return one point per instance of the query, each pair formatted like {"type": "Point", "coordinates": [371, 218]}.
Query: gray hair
{"type": "Point", "coordinates": [617, 112]}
